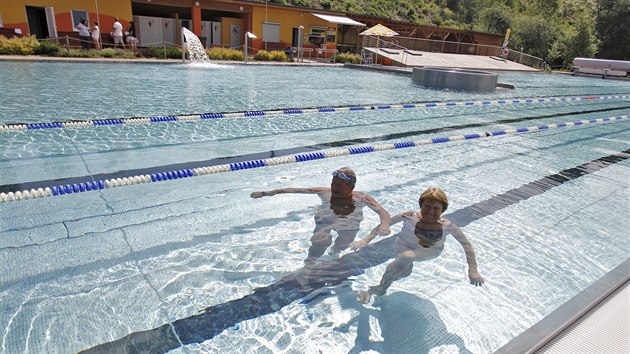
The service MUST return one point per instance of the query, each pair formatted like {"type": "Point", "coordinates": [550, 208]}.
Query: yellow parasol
{"type": "Point", "coordinates": [378, 31]}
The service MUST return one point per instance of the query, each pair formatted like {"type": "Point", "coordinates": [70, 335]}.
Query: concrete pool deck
{"type": "Point", "coordinates": [444, 60]}
{"type": "Point", "coordinates": [34, 58]}
{"type": "Point", "coordinates": [473, 62]}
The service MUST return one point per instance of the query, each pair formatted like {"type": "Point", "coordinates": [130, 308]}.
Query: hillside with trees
{"type": "Point", "coordinates": [559, 30]}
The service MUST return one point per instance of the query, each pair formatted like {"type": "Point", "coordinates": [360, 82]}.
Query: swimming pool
{"type": "Point", "coordinates": [545, 210]}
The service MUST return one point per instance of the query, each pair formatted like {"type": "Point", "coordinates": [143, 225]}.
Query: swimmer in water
{"type": "Point", "coordinates": [341, 211]}
{"type": "Point", "coordinates": [421, 238]}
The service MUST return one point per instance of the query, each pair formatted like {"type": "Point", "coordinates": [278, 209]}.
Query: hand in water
{"type": "Point", "coordinates": [475, 278]}
{"type": "Point", "coordinates": [358, 244]}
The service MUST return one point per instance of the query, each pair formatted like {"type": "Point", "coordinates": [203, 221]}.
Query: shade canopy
{"type": "Point", "coordinates": [339, 20]}
{"type": "Point", "coordinates": [379, 30]}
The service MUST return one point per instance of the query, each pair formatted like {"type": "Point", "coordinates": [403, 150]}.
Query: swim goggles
{"type": "Point", "coordinates": [343, 176]}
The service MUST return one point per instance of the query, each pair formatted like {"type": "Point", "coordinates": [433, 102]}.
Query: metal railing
{"type": "Point", "coordinates": [439, 46]}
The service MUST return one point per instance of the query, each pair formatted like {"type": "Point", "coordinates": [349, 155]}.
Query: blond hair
{"type": "Point", "coordinates": [436, 194]}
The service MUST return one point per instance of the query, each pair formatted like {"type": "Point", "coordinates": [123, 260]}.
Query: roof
{"type": "Point", "coordinates": [339, 20]}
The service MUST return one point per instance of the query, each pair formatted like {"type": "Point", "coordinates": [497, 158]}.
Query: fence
{"type": "Point", "coordinates": [438, 46]}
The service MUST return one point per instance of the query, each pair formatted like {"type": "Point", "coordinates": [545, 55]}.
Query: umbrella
{"type": "Point", "coordinates": [378, 31]}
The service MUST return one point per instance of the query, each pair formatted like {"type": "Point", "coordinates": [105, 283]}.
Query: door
{"type": "Point", "coordinates": [235, 36]}
{"type": "Point", "coordinates": [216, 33]}
{"type": "Point", "coordinates": [206, 32]}
{"type": "Point", "coordinates": [149, 30]}
{"type": "Point", "coordinates": [50, 20]}
{"type": "Point", "coordinates": [169, 31]}
{"type": "Point", "coordinates": [295, 39]}
{"type": "Point", "coordinates": [37, 26]}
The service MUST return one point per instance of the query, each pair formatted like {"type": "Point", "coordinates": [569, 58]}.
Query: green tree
{"type": "Point", "coordinates": [573, 42]}
{"type": "Point", "coordinates": [494, 19]}
{"type": "Point", "coordinates": [613, 29]}
{"type": "Point", "coordinates": [534, 34]}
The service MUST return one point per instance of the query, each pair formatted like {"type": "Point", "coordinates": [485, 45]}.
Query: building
{"type": "Point", "coordinates": [217, 23]}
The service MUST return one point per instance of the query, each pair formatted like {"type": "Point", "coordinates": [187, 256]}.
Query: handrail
{"type": "Point", "coordinates": [434, 45]}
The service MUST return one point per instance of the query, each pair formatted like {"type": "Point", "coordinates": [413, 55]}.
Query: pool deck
{"type": "Point", "coordinates": [38, 58]}
{"type": "Point", "coordinates": [472, 62]}
{"type": "Point", "coordinates": [444, 60]}
{"type": "Point", "coordinates": [597, 320]}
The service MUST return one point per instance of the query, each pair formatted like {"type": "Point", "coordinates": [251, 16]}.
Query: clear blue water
{"type": "Point", "coordinates": [85, 269]}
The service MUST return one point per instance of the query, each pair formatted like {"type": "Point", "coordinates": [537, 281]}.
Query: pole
{"type": "Point", "coordinates": [300, 52]}
{"type": "Point", "coordinates": [265, 34]}
{"type": "Point", "coordinates": [98, 19]}
{"type": "Point", "coordinates": [245, 48]}
{"type": "Point", "coordinates": [378, 37]}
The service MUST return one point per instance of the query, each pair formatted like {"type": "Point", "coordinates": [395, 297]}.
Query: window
{"type": "Point", "coordinates": [271, 32]}
{"type": "Point", "coordinates": [77, 16]}
{"type": "Point", "coordinates": [317, 35]}
{"type": "Point", "coordinates": [318, 31]}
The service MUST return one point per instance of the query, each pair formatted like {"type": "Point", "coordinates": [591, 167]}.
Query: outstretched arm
{"type": "Point", "coordinates": [364, 242]}
{"type": "Point", "coordinates": [288, 190]}
{"type": "Point", "coordinates": [383, 227]}
{"type": "Point", "coordinates": [473, 274]}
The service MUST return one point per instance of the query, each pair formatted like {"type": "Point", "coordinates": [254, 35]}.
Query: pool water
{"type": "Point", "coordinates": [84, 269]}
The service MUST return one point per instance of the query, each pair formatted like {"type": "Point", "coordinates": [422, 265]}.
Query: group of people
{"type": "Point", "coordinates": [421, 238]}
{"type": "Point", "coordinates": [87, 35]}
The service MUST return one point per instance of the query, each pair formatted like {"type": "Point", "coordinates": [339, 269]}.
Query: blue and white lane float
{"type": "Point", "coordinates": [200, 171]}
{"type": "Point", "coordinates": [291, 111]}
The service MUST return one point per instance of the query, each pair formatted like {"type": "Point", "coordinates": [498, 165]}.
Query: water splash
{"type": "Point", "coordinates": [196, 50]}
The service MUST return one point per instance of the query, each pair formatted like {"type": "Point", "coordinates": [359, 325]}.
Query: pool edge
{"type": "Point", "coordinates": [560, 319]}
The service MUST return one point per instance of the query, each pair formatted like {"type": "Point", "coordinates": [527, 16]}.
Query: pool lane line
{"type": "Point", "coordinates": [274, 153]}
{"type": "Point", "coordinates": [213, 320]}
{"type": "Point", "coordinates": [73, 124]}
{"type": "Point", "coordinates": [302, 157]}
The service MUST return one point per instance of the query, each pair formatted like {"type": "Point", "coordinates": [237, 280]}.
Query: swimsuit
{"type": "Point", "coordinates": [342, 217]}
{"type": "Point", "coordinates": [424, 243]}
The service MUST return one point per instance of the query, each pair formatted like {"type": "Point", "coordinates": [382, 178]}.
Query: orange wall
{"type": "Point", "coordinates": [14, 13]}
{"type": "Point", "coordinates": [288, 19]}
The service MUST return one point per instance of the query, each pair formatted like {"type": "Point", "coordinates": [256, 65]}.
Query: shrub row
{"type": "Point", "coordinates": [30, 45]}
{"type": "Point", "coordinates": [348, 58]}
{"type": "Point", "coordinates": [276, 55]}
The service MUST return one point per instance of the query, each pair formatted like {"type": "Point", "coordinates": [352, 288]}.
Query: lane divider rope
{"type": "Point", "coordinates": [200, 171]}
{"type": "Point", "coordinates": [196, 117]}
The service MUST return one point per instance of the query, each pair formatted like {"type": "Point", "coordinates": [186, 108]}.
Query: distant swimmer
{"type": "Point", "coordinates": [421, 238]}
{"type": "Point", "coordinates": [341, 211]}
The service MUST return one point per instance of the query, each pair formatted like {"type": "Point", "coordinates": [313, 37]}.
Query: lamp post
{"type": "Point", "coordinates": [265, 34]}
{"type": "Point", "coordinates": [100, 26]}
{"type": "Point", "coordinates": [248, 35]}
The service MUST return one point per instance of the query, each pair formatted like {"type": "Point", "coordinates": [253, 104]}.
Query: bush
{"type": "Point", "coordinates": [156, 52]}
{"type": "Point", "coordinates": [279, 55]}
{"type": "Point", "coordinates": [77, 53]}
{"type": "Point", "coordinates": [276, 55]}
{"type": "Point", "coordinates": [173, 53]}
{"type": "Point", "coordinates": [224, 54]}
{"type": "Point", "coordinates": [48, 48]}
{"type": "Point", "coordinates": [262, 55]}
{"type": "Point", "coordinates": [18, 45]}
{"type": "Point", "coordinates": [108, 53]}
{"type": "Point", "coordinates": [348, 58]}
